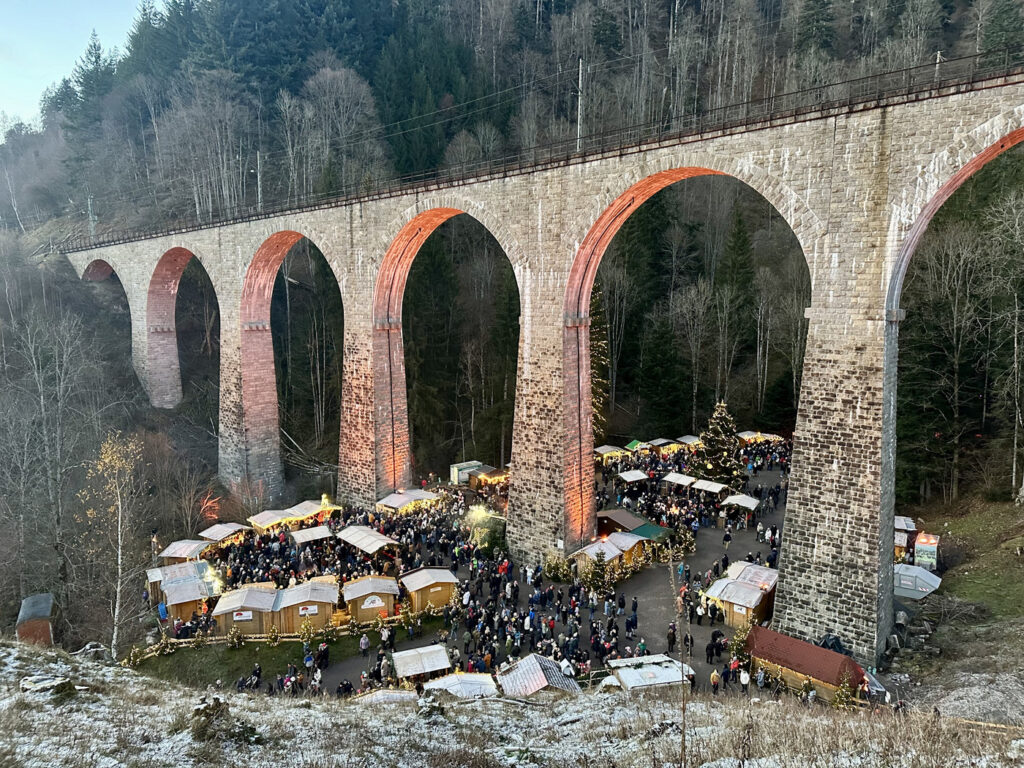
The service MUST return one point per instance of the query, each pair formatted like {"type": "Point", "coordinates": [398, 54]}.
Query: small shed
{"type": "Point", "coordinates": [369, 597]}
{"type": "Point", "coordinates": [630, 544]}
{"type": "Point", "coordinates": [429, 587]}
{"type": "Point", "coordinates": [306, 535]}
{"type": "Point", "coordinates": [458, 474]}
{"type": "Point", "coordinates": [421, 663]}
{"type": "Point", "coordinates": [606, 454]}
{"type": "Point", "coordinates": [914, 582]}
{"type": "Point", "coordinates": [250, 609]}
{"type": "Point", "coordinates": [590, 552]}
{"type": "Point", "coordinates": [313, 600]}
{"type": "Point", "coordinates": [633, 476]}
{"type": "Point", "coordinates": [183, 598]}
{"type": "Point", "coordinates": [795, 661]}
{"type": "Point", "coordinates": [224, 532]}
{"type": "Point", "coordinates": [471, 685]}
{"type": "Point", "coordinates": [36, 619]}
{"type": "Point", "coordinates": [647, 671]}
{"type": "Point", "coordinates": [611, 520]}
{"type": "Point", "coordinates": [183, 551]}
{"type": "Point", "coordinates": [365, 539]}
{"type": "Point", "coordinates": [535, 673]}
{"type": "Point", "coordinates": [158, 578]}
{"type": "Point", "coordinates": [738, 601]}
{"type": "Point", "coordinates": [904, 534]}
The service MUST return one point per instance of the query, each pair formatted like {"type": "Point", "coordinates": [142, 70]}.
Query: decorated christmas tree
{"type": "Point", "coordinates": [718, 458]}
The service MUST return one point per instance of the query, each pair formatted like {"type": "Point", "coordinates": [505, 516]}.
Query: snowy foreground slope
{"type": "Point", "coordinates": [120, 718]}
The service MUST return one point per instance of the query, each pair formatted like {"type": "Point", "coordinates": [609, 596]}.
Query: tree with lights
{"type": "Point", "coordinates": [718, 458]}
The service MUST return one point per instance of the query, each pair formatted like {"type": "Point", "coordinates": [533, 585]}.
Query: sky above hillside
{"type": "Point", "coordinates": [40, 41]}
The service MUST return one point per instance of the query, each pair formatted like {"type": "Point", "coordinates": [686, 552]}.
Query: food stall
{"type": "Point", "coordinates": [429, 587]}
{"type": "Point", "coordinates": [739, 602]}
{"type": "Point", "coordinates": [365, 539]}
{"type": "Point", "coordinates": [405, 501]}
{"type": "Point", "coordinates": [607, 454]}
{"type": "Point", "coordinates": [313, 600]}
{"type": "Point", "coordinates": [369, 597]}
{"type": "Point", "coordinates": [183, 551]}
{"type": "Point", "coordinates": [250, 608]}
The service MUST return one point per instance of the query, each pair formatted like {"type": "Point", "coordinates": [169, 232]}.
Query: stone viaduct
{"type": "Point", "coordinates": [857, 184]}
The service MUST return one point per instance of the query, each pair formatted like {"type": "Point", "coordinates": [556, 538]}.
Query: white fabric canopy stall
{"type": "Point", "coordinates": [633, 476]}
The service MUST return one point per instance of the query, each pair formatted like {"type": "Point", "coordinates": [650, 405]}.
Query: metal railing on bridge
{"type": "Point", "coordinates": [913, 83]}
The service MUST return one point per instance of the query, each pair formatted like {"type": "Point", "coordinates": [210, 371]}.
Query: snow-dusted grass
{"type": "Point", "coordinates": [126, 719]}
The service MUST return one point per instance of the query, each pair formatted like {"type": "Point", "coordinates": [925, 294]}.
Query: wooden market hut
{"type": "Point", "coordinates": [738, 601]}
{"type": "Point", "coordinates": [183, 551]}
{"type": "Point", "coordinates": [606, 454]}
{"type": "Point", "coordinates": [36, 618]}
{"type": "Point", "coordinates": [272, 519]}
{"type": "Point", "coordinates": [313, 600]}
{"type": "Point", "coordinates": [630, 544]}
{"type": "Point", "coordinates": [611, 520]}
{"type": "Point", "coordinates": [485, 475]}
{"type": "Point", "coordinates": [369, 597]}
{"type": "Point", "coordinates": [158, 578]}
{"type": "Point", "coordinates": [433, 586]}
{"type": "Point", "coordinates": [638, 445]}
{"type": "Point", "coordinates": [183, 598]}
{"type": "Point", "coordinates": [904, 536]}
{"type": "Point", "coordinates": [407, 501]}
{"type": "Point", "coordinates": [691, 442]}
{"type": "Point", "coordinates": [664, 446]}
{"type": "Point", "coordinates": [590, 552]}
{"type": "Point", "coordinates": [796, 661]}
{"type": "Point", "coordinates": [458, 474]}
{"type": "Point", "coordinates": [224, 533]}
{"type": "Point", "coordinates": [250, 608]}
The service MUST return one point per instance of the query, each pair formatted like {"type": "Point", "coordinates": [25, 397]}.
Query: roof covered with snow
{"type": "Point", "coordinates": [251, 598]}
{"type": "Point", "coordinates": [591, 550]}
{"type": "Point", "coordinates": [364, 538]}
{"type": "Point", "coordinates": [735, 592]}
{"type": "Point", "coordinates": [464, 685]}
{"type": "Point", "coordinates": [427, 577]}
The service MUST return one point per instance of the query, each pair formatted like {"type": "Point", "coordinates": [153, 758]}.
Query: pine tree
{"type": "Point", "coordinates": [843, 698]}
{"type": "Point", "coordinates": [1005, 26]}
{"type": "Point", "coordinates": [717, 459]}
{"type": "Point", "coordinates": [815, 27]}
{"type": "Point", "coordinates": [737, 267]}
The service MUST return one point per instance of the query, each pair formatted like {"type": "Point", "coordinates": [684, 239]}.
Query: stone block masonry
{"type": "Point", "coordinates": [857, 185]}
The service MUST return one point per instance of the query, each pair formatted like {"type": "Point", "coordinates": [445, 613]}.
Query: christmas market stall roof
{"type": "Point", "coordinates": [534, 673]}
{"type": "Point", "coordinates": [222, 531]}
{"type": "Point", "coordinates": [635, 445]}
{"type": "Point", "coordinates": [41, 606]}
{"type": "Point", "coordinates": [421, 661]}
{"type": "Point", "coordinates": [173, 574]}
{"type": "Point", "coordinates": [647, 671]}
{"type": "Point", "coordinates": [365, 538]}
{"type": "Point", "coordinates": [400, 499]}
{"type": "Point", "coordinates": [627, 520]}
{"type": "Point", "coordinates": [307, 592]}
{"type": "Point", "coordinates": [675, 478]}
{"type": "Point", "coordinates": [187, 592]}
{"type": "Point", "coordinates": [803, 658]}
{"type": "Point", "coordinates": [633, 476]}
{"type": "Point", "coordinates": [663, 443]}
{"type": "Point", "coordinates": [427, 577]}
{"type": "Point", "coordinates": [741, 500]}
{"type": "Point", "coordinates": [709, 486]}
{"type": "Point", "coordinates": [186, 549]}
{"type": "Point", "coordinates": [470, 685]}
{"type": "Point", "coordinates": [387, 696]}
{"type": "Point", "coordinates": [591, 550]}
{"type": "Point", "coordinates": [624, 541]}
{"type": "Point", "coordinates": [296, 514]}
{"type": "Point", "coordinates": [307, 535]}
{"type": "Point", "coordinates": [913, 581]}
{"type": "Point", "coordinates": [757, 575]}
{"type": "Point", "coordinates": [735, 592]}
{"type": "Point", "coordinates": [688, 440]}
{"type": "Point", "coordinates": [651, 531]}
{"type": "Point", "coordinates": [369, 585]}
{"type": "Point", "coordinates": [604, 450]}
{"type": "Point", "coordinates": [250, 598]}
{"type": "Point", "coordinates": [901, 523]}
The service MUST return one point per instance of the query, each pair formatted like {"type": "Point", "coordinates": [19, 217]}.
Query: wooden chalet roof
{"type": "Point", "coordinates": [803, 658]}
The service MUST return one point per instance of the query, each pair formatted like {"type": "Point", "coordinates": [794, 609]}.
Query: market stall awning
{"type": "Point", "coordinates": [913, 581]}
{"type": "Point", "coordinates": [605, 450]}
{"type": "Point", "coordinates": [591, 550]}
{"type": "Point", "coordinates": [633, 476]}
{"type": "Point", "coordinates": [173, 574]}
{"type": "Point", "coordinates": [421, 661]}
{"type": "Point", "coordinates": [222, 531]}
{"type": "Point", "coordinates": [186, 549]}
{"type": "Point", "coordinates": [307, 535]}
{"type": "Point", "coordinates": [251, 598]}
{"type": "Point", "coordinates": [646, 671]}
{"type": "Point", "coordinates": [677, 478]}
{"type": "Point", "coordinates": [690, 440]}
{"type": "Point", "coordinates": [709, 486]}
{"type": "Point", "coordinates": [187, 591]}
{"type": "Point", "coordinates": [294, 514]}
{"type": "Point", "coordinates": [369, 585]}
{"type": "Point", "coordinates": [534, 673]}
{"type": "Point", "coordinates": [760, 576]}
{"type": "Point", "coordinates": [427, 577]}
{"type": "Point", "coordinates": [741, 500]}
{"type": "Point", "coordinates": [470, 685]}
{"type": "Point", "coordinates": [636, 445]}
{"type": "Point", "coordinates": [365, 538]}
{"type": "Point", "coordinates": [735, 592]}
{"type": "Point", "coordinates": [400, 499]}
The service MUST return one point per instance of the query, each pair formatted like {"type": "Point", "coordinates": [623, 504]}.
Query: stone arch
{"type": "Point", "coordinates": [391, 415]}
{"type": "Point", "coordinates": [607, 218]}
{"type": "Point", "coordinates": [97, 270]}
{"type": "Point", "coordinates": [162, 357]}
{"type": "Point", "coordinates": [260, 418]}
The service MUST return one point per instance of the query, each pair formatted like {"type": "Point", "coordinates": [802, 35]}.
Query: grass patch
{"type": "Point", "coordinates": [991, 572]}
{"type": "Point", "coordinates": [207, 665]}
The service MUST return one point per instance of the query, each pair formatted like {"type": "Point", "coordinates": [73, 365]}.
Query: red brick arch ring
{"type": "Point", "coordinates": [607, 220]}
{"type": "Point", "coordinates": [414, 226]}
